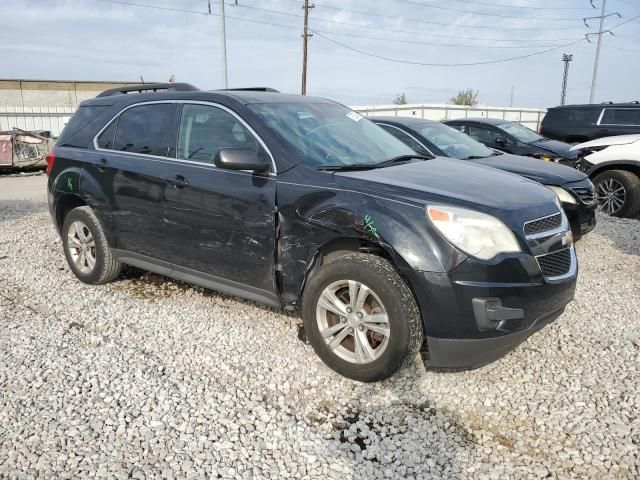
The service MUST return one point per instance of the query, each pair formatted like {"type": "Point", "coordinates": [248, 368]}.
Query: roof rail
{"type": "Point", "coordinates": [149, 87]}
{"type": "Point", "coordinates": [250, 89]}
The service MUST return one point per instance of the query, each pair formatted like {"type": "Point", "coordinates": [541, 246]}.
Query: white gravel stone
{"type": "Point", "coordinates": [150, 378]}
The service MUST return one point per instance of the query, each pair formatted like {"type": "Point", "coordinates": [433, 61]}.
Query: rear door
{"type": "Point", "coordinates": [130, 157]}
{"type": "Point", "coordinates": [220, 223]}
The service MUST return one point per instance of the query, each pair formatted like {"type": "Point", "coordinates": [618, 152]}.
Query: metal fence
{"type": "Point", "coordinates": [35, 118]}
{"type": "Point", "coordinates": [529, 117]}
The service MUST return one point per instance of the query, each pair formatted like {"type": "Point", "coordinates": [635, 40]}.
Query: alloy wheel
{"type": "Point", "coordinates": [82, 247]}
{"type": "Point", "coordinates": [611, 195]}
{"type": "Point", "coordinates": [353, 321]}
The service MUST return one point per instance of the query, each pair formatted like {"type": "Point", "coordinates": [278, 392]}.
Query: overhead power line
{"type": "Point", "coordinates": [411, 20]}
{"type": "Point", "coordinates": [487, 14]}
{"type": "Point", "coordinates": [426, 64]}
{"type": "Point", "coordinates": [433, 44]}
{"type": "Point", "coordinates": [426, 22]}
{"type": "Point", "coordinates": [520, 7]}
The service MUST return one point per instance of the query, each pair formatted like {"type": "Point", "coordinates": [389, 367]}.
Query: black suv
{"type": "Point", "coordinates": [512, 137]}
{"type": "Point", "coordinates": [428, 137]}
{"type": "Point", "coordinates": [581, 123]}
{"type": "Point", "coordinates": [300, 203]}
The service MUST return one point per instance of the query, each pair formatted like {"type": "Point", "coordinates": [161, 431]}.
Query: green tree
{"type": "Point", "coordinates": [468, 97]}
{"type": "Point", "coordinates": [400, 99]}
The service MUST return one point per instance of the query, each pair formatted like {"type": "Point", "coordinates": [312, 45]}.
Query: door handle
{"type": "Point", "coordinates": [178, 181]}
{"type": "Point", "coordinates": [103, 165]}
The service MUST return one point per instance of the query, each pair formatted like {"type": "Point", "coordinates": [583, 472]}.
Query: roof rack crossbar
{"type": "Point", "coordinates": [150, 87]}
{"type": "Point", "coordinates": [250, 89]}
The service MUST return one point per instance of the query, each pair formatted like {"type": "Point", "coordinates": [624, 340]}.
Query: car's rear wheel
{"type": "Point", "coordinates": [86, 248]}
{"type": "Point", "coordinates": [618, 193]}
{"type": "Point", "coordinates": [361, 317]}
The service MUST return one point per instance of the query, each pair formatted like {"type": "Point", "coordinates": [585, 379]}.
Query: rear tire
{"type": "Point", "coordinates": [618, 193]}
{"type": "Point", "coordinates": [379, 328]}
{"type": "Point", "coordinates": [86, 248]}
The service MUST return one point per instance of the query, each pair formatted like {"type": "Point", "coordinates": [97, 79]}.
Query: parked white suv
{"type": "Point", "coordinates": [613, 164]}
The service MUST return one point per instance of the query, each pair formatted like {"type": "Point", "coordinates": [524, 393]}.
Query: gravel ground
{"type": "Point", "coordinates": [150, 378]}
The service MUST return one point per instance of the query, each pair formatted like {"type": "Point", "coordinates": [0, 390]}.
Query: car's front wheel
{"type": "Point", "coordinates": [86, 248]}
{"type": "Point", "coordinates": [618, 193]}
{"type": "Point", "coordinates": [361, 317]}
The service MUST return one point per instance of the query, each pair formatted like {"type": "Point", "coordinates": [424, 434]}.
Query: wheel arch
{"type": "Point", "coordinates": [64, 205]}
{"type": "Point", "coordinates": [632, 166]}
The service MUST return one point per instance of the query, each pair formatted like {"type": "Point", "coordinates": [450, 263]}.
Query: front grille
{"type": "Point", "coordinates": [555, 264]}
{"type": "Point", "coordinates": [543, 224]}
{"type": "Point", "coordinates": [586, 194]}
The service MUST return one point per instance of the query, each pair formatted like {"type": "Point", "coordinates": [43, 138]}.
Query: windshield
{"type": "Point", "coordinates": [521, 132]}
{"type": "Point", "coordinates": [329, 134]}
{"type": "Point", "coordinates": [453, 142]}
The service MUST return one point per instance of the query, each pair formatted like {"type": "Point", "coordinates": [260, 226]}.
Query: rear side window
{"type": "Point", "coordinates": [572, 116]}
{"type": "Point", "coordinates": [204, 130]}
{"type": "Point", "coordinates": [620, 116]}
{"type": "Point", "coordinates": [79, 120]}
{"type": "Point", "coordinates": [144, 129]}
{"type": "Point", "coordinates": [105, 140]}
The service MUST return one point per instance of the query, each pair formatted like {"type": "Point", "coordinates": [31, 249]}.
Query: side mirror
{"type": "Point", "coordinates": [241, 159]}
{"type": "Point", "coordinates": [501, 141]}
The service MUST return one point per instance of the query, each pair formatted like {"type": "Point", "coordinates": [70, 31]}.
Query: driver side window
{"type": "Point", "coordinates": [405, 138]}
{"type": "Point", "coordinates": [206, 129]}
{"type": "Point", "coordinates": [483, 135]}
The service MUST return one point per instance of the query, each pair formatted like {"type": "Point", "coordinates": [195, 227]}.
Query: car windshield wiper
{"type": "Point", "coordinates": [362, 166]}
{"type": "Point", "coordinates": [402, 158]}
{"type": "Point", "coordinates": [474, 157]}
{"type": "Point", "coordinates": [369, 166]}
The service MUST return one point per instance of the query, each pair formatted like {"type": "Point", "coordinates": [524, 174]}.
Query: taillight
{"type": "Point", "coordinates": [50, 159]}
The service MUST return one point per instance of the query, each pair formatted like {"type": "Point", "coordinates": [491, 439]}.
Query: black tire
{"type": "Point", "coordinates": [106, 267]}
{"type": "Point", "coordinates": [631, 184]}
{"type": "Point", "coordinates": [404, 320]}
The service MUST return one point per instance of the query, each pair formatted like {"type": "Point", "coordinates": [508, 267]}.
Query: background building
{"type": "Point", "coordinates": [50, 93]}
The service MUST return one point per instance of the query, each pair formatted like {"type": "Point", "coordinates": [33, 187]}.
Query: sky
{"type": "Point", "coordinates": [116, 40]}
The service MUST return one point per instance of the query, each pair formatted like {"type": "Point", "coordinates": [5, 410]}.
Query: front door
{"type": "Point", "coordinates": [220, 223]}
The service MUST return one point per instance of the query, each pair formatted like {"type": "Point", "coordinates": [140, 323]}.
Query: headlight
{"type": "Point", "coordinates": [475, 233]}
{"type": "Point", "coordinates": [563, 195]}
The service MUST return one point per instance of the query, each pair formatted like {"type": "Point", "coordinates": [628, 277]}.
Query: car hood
{"type": "Point", "coordinates": [607, 141]}
{"type": "Point", "coordinates": [547, 173]}
{"type": "Point", "coordinates": [511, 198]}
{"type": "Point", "coordinates": [554, 146]}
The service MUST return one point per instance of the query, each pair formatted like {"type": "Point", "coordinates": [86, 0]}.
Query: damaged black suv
{"type": "Point", "coordinates": [300, 203]}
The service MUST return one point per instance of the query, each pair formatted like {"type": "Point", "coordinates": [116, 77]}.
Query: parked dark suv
{"type": "Point", "coordinates": [581, 123]}
{"type": "Point", "coordinates": [300, 203]}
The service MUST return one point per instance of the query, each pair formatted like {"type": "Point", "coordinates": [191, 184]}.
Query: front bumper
{"type": "Point", "coordinates": [456, 336]}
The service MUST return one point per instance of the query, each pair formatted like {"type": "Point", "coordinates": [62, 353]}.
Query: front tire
{"type": "Point", "coordinates": [361, 317]}
{"type": "Point", "coordinates": [86, 248]}
{"type": "Point", "coordinates": [618, 193]}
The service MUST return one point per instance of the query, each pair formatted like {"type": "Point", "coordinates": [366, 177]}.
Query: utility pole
{"type": "Point", "coordinates": [511, 97]}
{"type": "Point", "coordinates": [599, 33]}
{"type": "Point", "coordinates": [566, 59]}
{"type": "Point", "coordinates": [223, 42]}
{"type": "Point", "coordinates": [305, 37]}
